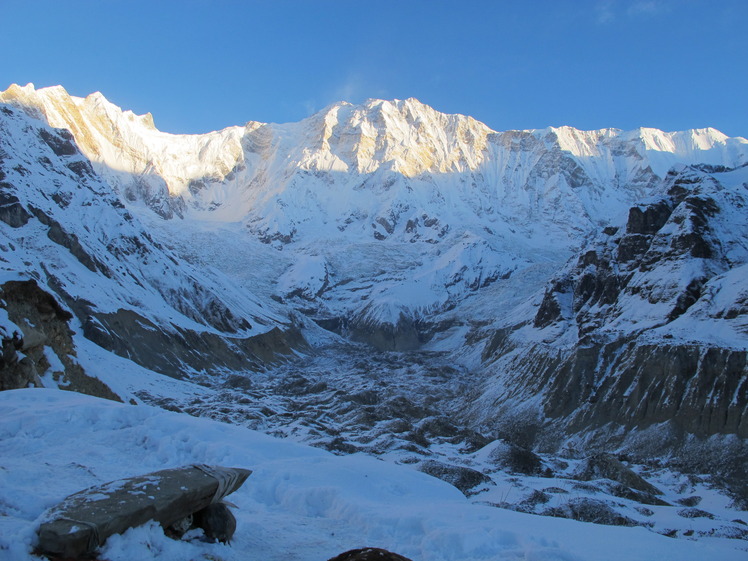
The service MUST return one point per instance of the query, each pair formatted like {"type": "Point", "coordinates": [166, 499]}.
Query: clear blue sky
{"type": "Point", "coordinates": [204, 65]}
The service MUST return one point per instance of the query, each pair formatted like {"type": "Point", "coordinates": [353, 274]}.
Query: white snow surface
{"type": "Point", "coordinates": [299, 503]}
{"type": "Point", "coordinates": [337, 173]}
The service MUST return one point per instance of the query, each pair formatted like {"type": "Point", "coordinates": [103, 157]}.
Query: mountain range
{"type": "Point", "coordinates": [383, 278]}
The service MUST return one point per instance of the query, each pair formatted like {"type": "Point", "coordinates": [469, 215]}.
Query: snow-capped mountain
{"type": "Point", "coordinates": [373, 171]}
{"type": "Point", "coordinates": [475, 204]}
{"type": "Point", "coordinates": [384, 277]}
{"type": "Point", "coordinates": [65, 228]}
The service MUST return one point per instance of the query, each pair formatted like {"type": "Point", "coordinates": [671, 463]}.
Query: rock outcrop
{"type": "Point", "coordinates": [645, 332]}
{"type": "Point", "coordinates": [40, 352]}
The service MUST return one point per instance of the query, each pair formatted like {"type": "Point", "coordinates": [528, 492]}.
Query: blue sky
{"type": "Point", "coordinates": [204, 65]}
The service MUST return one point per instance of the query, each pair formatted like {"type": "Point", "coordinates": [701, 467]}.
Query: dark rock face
{"type": "Point", "coordinates": [689, 400]}
{"type": "Point", "coordinates": [12, 211]}
{"type": "Point", "coordinates": [28, 305]}
{"type": "Point", "coordinates": [130, 335]}
{"type": "Point", "coordinates": [620, 370]}
{"type": "Point", "coordinates": [701, 390]}
{"type": "Point", "coordinates": [369, 554]}
{"type": "Point", "coordinates": [649, 219]}
{"type": "Point", "coordinates": [550, 310]}
{"type": "Point", "coordinates": [60, 141]}
{"type": "Point", "coordinates": [14, 372]}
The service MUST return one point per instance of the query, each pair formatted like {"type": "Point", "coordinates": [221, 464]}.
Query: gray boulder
{"type": "Point", "coordinates": [369, 554]}
{"type": "Point", "coordinates": [607, 466]}
{"type": "Point", "coordinates": [464, 478]}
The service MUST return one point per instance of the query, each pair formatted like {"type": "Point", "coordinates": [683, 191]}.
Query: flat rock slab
{"type": "Point", "coordinates": [83, 521]}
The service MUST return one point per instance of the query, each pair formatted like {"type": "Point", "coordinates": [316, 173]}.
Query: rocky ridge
{"type": "Point", "coordinates": [65, 229]}
{"type": "Point", "coordinates": [640, 342]}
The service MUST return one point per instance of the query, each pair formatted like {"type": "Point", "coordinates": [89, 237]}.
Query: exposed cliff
{"type": "Point", "coordinates": [646, 333]}
{"type": "Point", "coordinates": [37, 344]}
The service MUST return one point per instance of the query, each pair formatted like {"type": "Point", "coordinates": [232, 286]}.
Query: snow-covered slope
{"type": "Point", "coordinates": [299, 502]}
{"type": "Point", "coordinates": [63, 226]}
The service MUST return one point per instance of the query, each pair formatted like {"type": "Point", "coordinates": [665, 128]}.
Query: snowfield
{"type": "Point", "coordinates": [300, 503]}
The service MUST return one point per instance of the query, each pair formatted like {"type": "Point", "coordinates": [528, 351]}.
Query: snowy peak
{"type": "Point", "coordinates": [90, 119]}
{"type": "Point", "coordinates": [126, 149]}
{"type": "Point", "coordinates": [376, 168]}
{"type": "Point", "coordinates": [660, 150]}
{"type": "Point", "coordinates": [689, 140]}
{"type": "Point", "coordinates": [680, 143]}
{"type": "Point", "coordinates": [406, 137]}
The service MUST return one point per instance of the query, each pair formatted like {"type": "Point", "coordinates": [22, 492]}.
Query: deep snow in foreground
{"type": "Point", "coordinates": [300, 503]}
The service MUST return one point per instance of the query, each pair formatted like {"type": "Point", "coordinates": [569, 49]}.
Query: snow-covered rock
{"type": "Point", "coordinates": [642, 338]}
